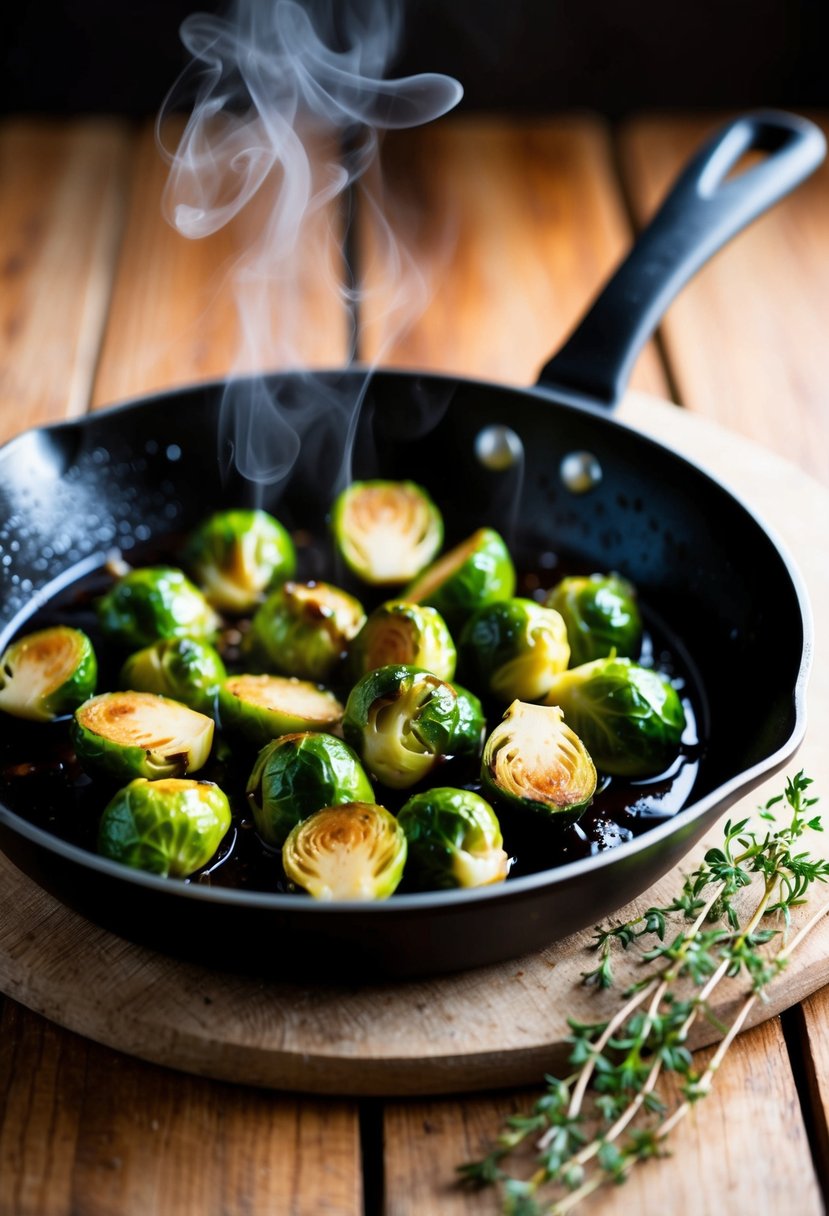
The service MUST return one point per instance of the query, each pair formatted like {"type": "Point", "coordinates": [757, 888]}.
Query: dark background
{"type": "Point", "coordinates": [615, 56]}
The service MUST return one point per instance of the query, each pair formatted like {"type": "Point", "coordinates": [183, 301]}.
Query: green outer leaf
{"type": "Point", "coordinates": [411, 553]}
{"type": "Point", "coordinates": [185, 669]}
{"type": "Point", "coordinates": [155, 602]}
{"type": "Point", "coordinates": [601, 615]}
{"type": "Point", "coordinates": [630, 717]}
{"type": "Point", "coordinates": [298, 774]}
{"type": "Point", "coordinates": [454, 839]}
{"type": "Point", "coordinates": [168, 827]}
{"type": "Point", "coordinates": [513, 648]}
{"type": "Point", "coordinates": [476, 572]}
{"type": "Point", "coordinates": [77, 687]}
{"type": "Point", "coordinates": [237, 555]}
{"type": "Point", "coordinates": [360, 837]}
{"type": "Point", "coordinates": [417, 633]}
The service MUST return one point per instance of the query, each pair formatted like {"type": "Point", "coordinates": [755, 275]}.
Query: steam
{"type": "Point", "coordinates": [288, 106]}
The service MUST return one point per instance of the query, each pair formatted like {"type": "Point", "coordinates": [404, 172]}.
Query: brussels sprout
{"type": "Point", "coordinates": [139, 734]}
{"type": "Point", "coordinates": [303, 629]}
{"type": "Point", "coordinates": [533, 759]}
{"type": "Point", "coordinates": [354, 851]}
{"type": "Point", "coordinates": [601, 615]}
{"type": "Point", "coordinates": [630, 717]}
{"type": "Point", "coordinates": [399, 632]}
{"type": "Point", "coordinates": [386, 531]}
{"type": "Point", "coordinates": [513, 649]}
{"type": "Point", "coordinates": [262, 707]}
{"type": "Point", "coordinates": [170, 827]}
{"type": "Point", "coordinates": [454, 840]}
{"type": "Point", "coordinates": [155, 602]}
{"type": "Point", "coordinates": [235, 556]}
{"type": "Point", "coordinates": [181, 668]}
{"type": "Point", "coordinates": [47, 673]}
{"type": "Point", "coordinates": [299, 774]}
{"type": "Point", "coordinates": [476, 572]}
{"type": "Point", "coordinates": [403, 721]}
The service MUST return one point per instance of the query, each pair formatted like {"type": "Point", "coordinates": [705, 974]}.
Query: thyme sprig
{"type": "Point", "coordinates": [593, 1126]}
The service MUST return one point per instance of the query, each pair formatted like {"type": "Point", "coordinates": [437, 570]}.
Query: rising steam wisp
{"type": "Point", "coordinates": [288, 104]}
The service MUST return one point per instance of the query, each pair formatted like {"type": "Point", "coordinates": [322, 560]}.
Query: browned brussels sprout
{"type": "Point", "coordinates": [235, 556]}
{"type": "Point", "coordinates": [260, 708]}
{"type": "Point", "coordinates": [170, 826]}
{"type": "Point", "coordinates": [534, 760]}
{"type": "Point", "coordinates": [386, 531]}
{"type": "Point", "coordinates": [454, 840]}
{"type": "Point", "coordinates": [139, 734]}
{"type": "Point", "coordinates": [304, 629]}
{"type": "Point", "coordinates": [354, 851]}
{"type": "Point", "coordinates": [47, 673]}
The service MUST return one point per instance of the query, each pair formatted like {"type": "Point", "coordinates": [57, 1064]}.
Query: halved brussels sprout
{"type": "Point", "coordinates": [182, 668]}
{"type": "Point", "coordinates": [170, 827]}
{"type": "Point", "coordinates": [476, 572]}
{"type": "Point", "coordinates": [601, 615]}
{"type": "Point", "coordinates": [299, 774]}
{"type": "Point", "coordinates": [260, 708]}
{"type": "Point", "coordinates": [139, 734]}
{"type": "Point", "coordinates": [354, 851]}
{"type": "Point", "coordinates": [303, 629]}
{"type": "Point", "coordinates": [399, 632]}
{"type": "Point", "coordinates": [386, 531]}
{"type": "Point", "coordinates": [403, 721]}
{"type": "Point", "coordinates": [454, 840]}
{"type": "Point", "coordinates": [235, 556]}
{"type": "Point", "coordinates": [155, 602]}
{"type": "Point", "coordinates": [513, 649]}
{"type": "Point", "coordinates": [47, 673]}
{"type": "Point", "coordinates": [533, 759]}
{"type": "Point", "coordinates": [630, 717]}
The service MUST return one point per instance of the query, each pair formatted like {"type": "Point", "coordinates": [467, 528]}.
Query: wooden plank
{"type": "Point", "coordinates": [746, 341]}
{"type": "Point", "coordinates": [62, 199]}
{"type": "Point", "coordinates": [185, 310]}
{"type": "Point", "coordinates": [510, 228]}
{"type": "Point", "coordinates": [812, 1022]}
{"type": "Point", "coordinates": [83, 1129]}
{"type": "Point", "coordinates": [743, 1149]}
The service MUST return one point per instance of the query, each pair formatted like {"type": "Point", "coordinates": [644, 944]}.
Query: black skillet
{"type": "Point", "coordinates": [702, 561]}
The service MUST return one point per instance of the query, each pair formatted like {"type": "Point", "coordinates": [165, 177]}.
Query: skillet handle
{"type": "Point", "coordinates": [701, 213]}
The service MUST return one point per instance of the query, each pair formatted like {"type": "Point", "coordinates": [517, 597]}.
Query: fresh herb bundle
{"type": "Point", "coordinates": [594, 1125]}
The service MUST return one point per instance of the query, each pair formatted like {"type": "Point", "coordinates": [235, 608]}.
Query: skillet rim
{"type": "Point", "coordinates": [696, 811]}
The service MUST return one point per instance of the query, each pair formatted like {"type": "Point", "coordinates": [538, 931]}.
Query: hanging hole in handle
{"type": "Point", "coordinates": [745, 163]}
{"type": "Point", "coordinates": [744, 151]}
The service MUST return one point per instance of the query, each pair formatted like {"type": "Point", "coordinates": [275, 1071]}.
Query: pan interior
{"type": "Point", "coordinates": [702, 563]}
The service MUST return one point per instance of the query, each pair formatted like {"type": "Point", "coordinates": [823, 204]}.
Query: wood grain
{"type": "Point", "coordinates": [187, 310]}
{"type": "Point", "coordinates": [746, 341]}
{"type": "Point", "coordinates": [504, 230]}
{"type": "Point", "coordinates": [62, 198]}
{"type": "Point", "coordinates": [494, 1026]}
{"type": "Point", "coordinates": [744, 1149]}
{"type": "Point", "coordinates": [83, 1129]}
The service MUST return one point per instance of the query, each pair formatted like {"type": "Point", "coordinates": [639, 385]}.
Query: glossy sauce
{"type": "Point", "coordinates": [41, 780]}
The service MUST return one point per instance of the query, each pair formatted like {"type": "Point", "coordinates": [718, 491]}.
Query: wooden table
{"type": "Point", "coordinates": [515, 224]}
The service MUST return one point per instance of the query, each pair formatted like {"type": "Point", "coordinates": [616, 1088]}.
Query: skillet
{"type": "Point", "coordinates": [584, 484]}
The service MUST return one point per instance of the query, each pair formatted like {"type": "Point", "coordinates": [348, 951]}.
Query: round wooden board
{"type": "Point", "coordinates": [496, 1026]}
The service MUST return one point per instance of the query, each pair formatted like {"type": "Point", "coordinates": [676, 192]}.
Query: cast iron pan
{"type": "Point", "coordinates": [701, 560]}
